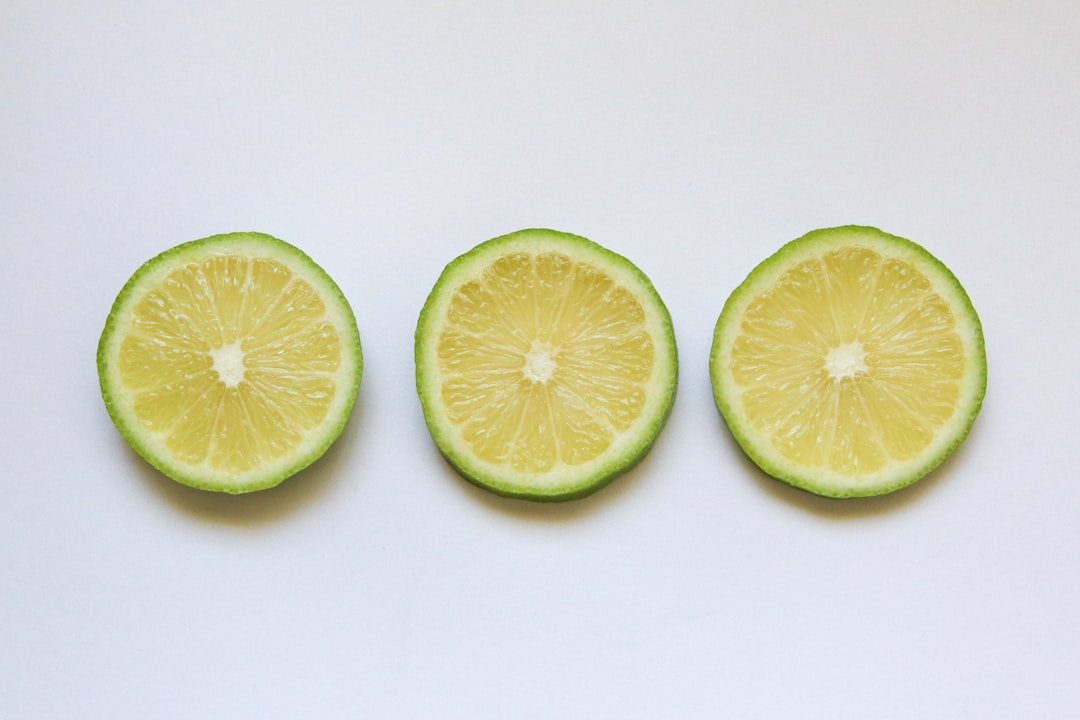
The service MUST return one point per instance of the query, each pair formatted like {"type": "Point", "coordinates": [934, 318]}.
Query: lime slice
{"type": "Point", "coordinates": [230, 363]}
{"type": "Point", "coordinates": [850, 363]}
{"type": "Point", "coordinates": [545, 365]}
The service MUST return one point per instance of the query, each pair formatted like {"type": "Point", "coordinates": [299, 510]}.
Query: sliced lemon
{"type": "Point", "coordinates": [230, 363]}
{"type": "Point", "coordinates": [850, 363]}
{"type": "Point", "coordinates": [545, 364]}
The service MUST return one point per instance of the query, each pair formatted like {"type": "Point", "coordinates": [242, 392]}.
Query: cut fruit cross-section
{"type": "Point", "coordinates": [230, 363]}
{"type": "Point", "coordinates": [850, 363]}
{"type": "Point", "coordinates": [545, 365]}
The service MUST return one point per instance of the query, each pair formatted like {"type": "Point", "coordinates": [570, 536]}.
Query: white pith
{"type": "Point", "coordinates": [846, 360]}
{"type": "Point", "coordinates": [540, 362]}
{"type": "Point", "coordinates": [228, 363]}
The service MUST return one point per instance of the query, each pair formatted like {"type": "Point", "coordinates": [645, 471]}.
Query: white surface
{"type": "Point", "coordinates": [385, 138]}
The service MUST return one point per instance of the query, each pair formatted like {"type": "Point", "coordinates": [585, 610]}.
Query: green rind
{"type": "Point", "coordinates": [426, 369]}
{"type": "Point", "coordinates": [761, 276]}
{"type": "Point", "coordinates": [194, 250]}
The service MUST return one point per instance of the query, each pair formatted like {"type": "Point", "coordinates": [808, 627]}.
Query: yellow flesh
{"type": "Point", "coordinates": [849, 362]}
{"type": "Point", "coordinates": [544, 361]}
{"type": "Point", "coordinates": [231, 361]}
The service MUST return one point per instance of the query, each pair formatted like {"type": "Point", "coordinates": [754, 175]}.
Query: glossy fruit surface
{"type": "Point", "coordinates": [849, 363]}
{"type": "Point", "coordinates": [230, 363]}
{"type": "Point", "coordinates": [545, 365]}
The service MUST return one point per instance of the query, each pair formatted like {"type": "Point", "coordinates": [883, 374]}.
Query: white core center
{"type": "Point", "coordinates": [229, 363]}
{"type": "Point", "coordinates": [846, 360]}
{"type": "Point", "coordinates": [539, 362]}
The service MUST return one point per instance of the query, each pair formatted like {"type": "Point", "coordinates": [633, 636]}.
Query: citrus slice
{"type": "Point", "coordinates": [230, 363]}
{"type": "Point", "coordinates": [545, 365]}
{"type": "Point", "coordinates": [850, 363]}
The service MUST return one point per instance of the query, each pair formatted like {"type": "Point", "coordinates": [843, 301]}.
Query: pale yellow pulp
{"type": "Point", "coordinates": [849, 362]}
{"type": "Point", "coordinates": [230, 361]}
{"type": "Point", "coordinates": [544, 361]}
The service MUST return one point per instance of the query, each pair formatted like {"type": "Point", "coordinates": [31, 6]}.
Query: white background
{"type": "Point", "coordinates": [385, 138]}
